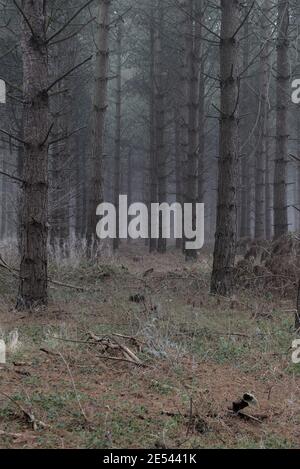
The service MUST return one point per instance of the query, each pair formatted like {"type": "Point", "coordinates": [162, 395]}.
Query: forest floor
{"type": "Point", "coordinates": [198, 354]}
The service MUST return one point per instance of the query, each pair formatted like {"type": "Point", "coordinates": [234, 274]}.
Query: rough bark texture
{"type": "Point", "coordinates": [264, 110]}
{"type": "Point", "coordinates": [268, 187]}
{"type": "Point", "coordinates": [3, 226]}
{"type": "Point", "coordinates": [99, 111]}
{"type": "Point", "coordinates": [201, 151]}
{"type": "Point", "coordinates": [184, 98]}
{"type": "Point", "coordinates": [296, 75]}
{"type": "Point", "coordinates": [226, 230]}
{"type": "Point", "coordinates": [178, 167]}
{"type": "Point", "coordinates": [33, 269]}
{"type": "Point", "coordinates": [160, 119]}
{"type": "Point", "coordinates": [245, 130]}
{"type": "Point", "coordinates": [60, 154]}
{"type": "Point", "coordinates": [193, 50]}
{"type": "Point", "coordinates": [152, 134]}
{"type": "Point", "coordinates": [282, 135]}
{"type": "Point", "coordinates": [117, 161]}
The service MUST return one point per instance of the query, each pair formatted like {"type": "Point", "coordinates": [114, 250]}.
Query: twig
{"type": "Point", "coordinates": [13, 137]}
{"type": "Point", "coordinates": [48, 134]}
{"type": "Point", "coordinates": [68, 73]}
{"type": "Point", "coordinates": [49, 352]}
{"type": "Point", "coordinates": [128, 353]}
{"type": "Point", "coordinates": [25, 17]}
{"type": "Point", "coordinates": [14, 178]}
{"type": "Point", "coordinates": [247, 416]}
{"type": "Point", "coordinates": [29, 415]}
{"type": "Point", "coordinates": [68, 285]}
{"type": "Point", "coordinates": [108, 357]}
{"type": "Point", "coordinates": [15, 436]}
{"type": "Point", "coordinates": [74, 387]}
{"type": "Point", "coordinates": [69, 21]}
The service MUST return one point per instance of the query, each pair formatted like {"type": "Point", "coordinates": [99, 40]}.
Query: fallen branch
{"type": "Point", "coordinates": [68, 285]}
{"type": "Point", "coordinates": [15, 436]}
{"type": "Point", "coordinates": [109, 357]}
{"type": "Point", "coordinates": [49, 352]}
{"type": "Point", "coordinates": [28, 415]}
{"type": "Point", "coordinates": [107, 341]}
{"type": "Point", "coordinates": [129, 354]}
{"type": "Point", "coordinates": [244, 416]}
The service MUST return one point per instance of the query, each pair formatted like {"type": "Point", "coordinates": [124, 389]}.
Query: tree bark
{"type": "Point", "coordinates": [201, 148]}
{"type": "Point", "coordinates": [193, 50]}
{"type": "Point", "coordinates": [263, 125]}
{"type": "Point", "coordinates": [3, 227]}
{"type": "Point", "coordinates": [99, 111]}
{"type": "Point", "coordinates": [245, 191]}
{"type": "Point", "coordinates": [184, 97]}
{"type": "Point", "coordinates": [282, 136]}
{"type": "Point", "coordinates": [160, 119]}
{"type": "Point", "coordinates": [117, 159]}
{"type": "Point", "coordinates": [178, 167]}
{"type": "Point", "coordinates": [33, 269]}
{"type": "Point", "coordinates": [152, 127]}
{"type": "Point", "coordinates": [226, 230]}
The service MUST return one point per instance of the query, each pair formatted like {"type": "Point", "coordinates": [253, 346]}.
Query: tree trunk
{"type": "Point", "coordinates": [178, 167]}
{"type": "Point", "coordinates": [3, 227]}
{"type": "Point", "coordinates": [268, 186]}
{"type": "Point", "coordinates": [261, 153]}
{"type": "Point", "coordinates": [99, 111]}
{"type": "Point", "coordinates": [33, 269]}
{"type": "Point", "coordinates": [184, 96]}
{"type": "Point", "coordinates": [160, 120]}
{"type": "Point", "coordinates": [117, 160]}
{"type": "Point", "coordinates": [245, 160]}
{"type": "Point", "coordinates": [193, 50]}
{"type": "Point", "coordinates": [152, 135]}
{"type": "Point", "coordinates": [226, 230]}
{"type": "Point", "coordinates": [282, 136]}
{"type": "Point", "coordinates": [201, 151]}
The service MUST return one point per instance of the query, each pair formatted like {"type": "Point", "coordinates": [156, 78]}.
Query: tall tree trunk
{"type": "Point", "coordinates": [184, 96]}
{"type": "Point", "coordinates": [193, 47]}
{"type": "Point", "coordinates": [268, 184]}
{"type": "Point", "coordinates": [152, 127]}
{"type": "Point", "coordinates": [117, 160]}
{"type": "Point", "coordinates": [245, 160]}
{"type": "Point", "coordinates": [3, 188]}
{"type": "Point", "coordinates": [261, 152]}
{"type": "Point", "coordinates": [226, 230]}
{"type": "Point", "coordinates": [201, 151]}
{"type": "Point", "coordinates": [20, 168]}
{"type": "Point", "coordinates": [129, 181]}
{"type": "Point", "coordinates": [33, 269]}
{"type": "Point", "coordinates": [81, 196]}
{"type": "Point", "coordinates": [99, 111]}
{"type": "Point", "coordinates": [55, 156]}
{"type": "Point", "coordinates": [297, 118]}
{"type": "Point", "coordinates": [178, 166]}
{"type": "Point", "coordinates": [160, 120]}
{"type": "Point", "coordinates": [282, 136]}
